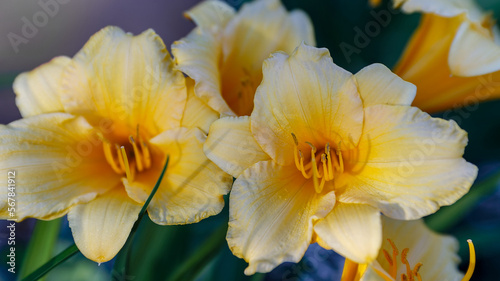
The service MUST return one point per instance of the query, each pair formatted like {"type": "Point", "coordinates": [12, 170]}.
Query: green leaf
{"type": "Point", "coordinates": [41, 245]}
{"type": "Point", "coordinates": [197, 262]}
{"type": "Point", "coordinates": [121, 266]}
{"type": "Point", "coordinates": [55, 261]}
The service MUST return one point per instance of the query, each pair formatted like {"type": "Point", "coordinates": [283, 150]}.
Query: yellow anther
{"type": "Point", "coordinates": [407, 264]}
{"type": "Point", "coordinates": [416, 268]}
{"type": "Point", "coordinates": [121, 162]}
{"type": "Point", "coordinates": [472, 261]}
{"type": "Point", "coordinates": [137, 154]}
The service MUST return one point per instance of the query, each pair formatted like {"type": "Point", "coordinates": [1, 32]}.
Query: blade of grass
{"type": "Point", "coordinates": [41, 246]}
{"type": "Point", "coordinates": [121, 266]}
{"type": "Point", "coordinates": [194, 265]}
{"type": "Point", "coordinates": [55, 261]}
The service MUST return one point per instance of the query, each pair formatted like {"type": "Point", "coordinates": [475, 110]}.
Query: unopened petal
{"type": "Point", "coordinates": [473, 52]}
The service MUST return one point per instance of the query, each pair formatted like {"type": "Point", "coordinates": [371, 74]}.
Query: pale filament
{"type": "Point", "coordinates": [329, 164]}
{"type": "Point", "coordinates": [130, 161]}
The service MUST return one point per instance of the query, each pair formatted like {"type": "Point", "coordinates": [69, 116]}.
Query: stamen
{"type": "Point", "coordinates": [307, 176]}
{"type": "Point", "coordinates": [405, 262]}
{"type": "Point", "coordinates": [121, 162]}
{"type": "Point", "coordinates": [296, 151]}
{"type": "Point", "coordinates": [314, 168]}
{"type": "Point", "coordinates": [325, 167]}
{"type": "Point", "coordinates": [395, 253]}
{"type": "Point", "coordinates": [329, 158]}
{"type": "Point", "coordinates": [416, 268]}
{"type": "Point", "coordinates": [472, 261]}
{"type": "Point", "coordinates": [146, 155]}
{"type": "Point", "coordinates": [341, 161]}
{"type": "Point", "coordinates": [126, 164]}
{"type": "Point", "coordinates": [137, 154]}
{"type": "Point", "coordinates": [106, 146]}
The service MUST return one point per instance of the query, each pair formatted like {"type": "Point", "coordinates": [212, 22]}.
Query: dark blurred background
{"type": "Point", "coordinates": [335, 22]}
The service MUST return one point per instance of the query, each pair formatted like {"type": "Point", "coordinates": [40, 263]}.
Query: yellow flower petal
{"type": "Point", "coordinates": [409, 163]}
{"type": "Point", "coordinates": [260, 28]}
{"type": "Point", "coordinates": [443, 8]}
{"type": "Point", "coordinates": [197, 113]}
{"type": "Point", "coordinates": [226, 62]}
{"type": "Point", "coordinates": [38, 91]}
{"type": "Point", "coordinates": [352, 230]}
{"type": "Point", "coordinates": [58, 162]}
{"type": "Point", "coordinates": [193, 186]}
{"type": "Point", "coordinates": [231, 136]}
{"type": "Point", "coordinates": [378, 85]}
{"type": "Point", "coordinates": [473, 52]}
{"type": "Point", "coordinates": [126, 78]}
{"type": "Point", "coordinates": [211, 13]}
{"type": "Point", "coordinates": [308, 95]}
{"type": "Point", "coordinates": [101, 227]}
{"type": "Point", "coordinates": [198, 55]}
{"type": "Point", "coordinates": [271, 215]}
{"type": "Point", "coordinates": [437, 253]}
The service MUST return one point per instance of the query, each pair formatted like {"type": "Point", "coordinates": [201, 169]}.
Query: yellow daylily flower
{"type": "Point", "coordinates": [324, 152]}
{"type": "Point", "coordinates": [224, 53]}
{"type": "Point", "coordinates": [453, 57]}
{"type": "Point", "coordinates": [96, 131]}
{"type": "Point", "coordinates": [411, 251]}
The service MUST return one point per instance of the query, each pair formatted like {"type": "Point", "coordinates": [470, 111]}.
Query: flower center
{"type": "Point", "coordinates": [330, 163]}
{"type": "Point", "coordinates": [128, 158]}
{"type": "Point", "coordinates": [412, 274]}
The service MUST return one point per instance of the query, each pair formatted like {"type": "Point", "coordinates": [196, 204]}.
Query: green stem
{"type": "Point", "coordinates": [448, 217]}
{"type": "Point", "coordinates": [197, 262]}
{"type": "Point", "coordinates": [55, 261]}
{"type": "Point", "coordinates": [41, 246]}
{"type": "Point", "coordinates": [122, 262]}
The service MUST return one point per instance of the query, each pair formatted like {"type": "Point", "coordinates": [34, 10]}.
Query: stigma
{"type": "Point", "coordinates": [128, 158]}
{"type": "Point", "coordinates": [322, 166]}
